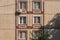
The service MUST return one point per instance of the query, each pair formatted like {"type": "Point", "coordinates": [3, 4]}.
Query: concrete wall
{"type": "Point", "coordinates": [51, 7]}
{"type": "Point", "coordinates": [7, 19]}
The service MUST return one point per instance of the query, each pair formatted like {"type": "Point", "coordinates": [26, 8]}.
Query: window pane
{"type": "Point", "coordinates": [23, 5]}
{"type": "Point", "coordinates": [37, 5]}
{"type": "Point", "coordinates": [36, 19]}
{"type": "Point", "coordinates": [19, 35]}
{"type": "Point", "coordinates": [22, 35]}
{"type": "Point", "coordinates": [24, 20]}
{"type": "Point", "coordinates": [20, 19]}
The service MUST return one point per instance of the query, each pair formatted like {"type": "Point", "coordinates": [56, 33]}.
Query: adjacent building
{"type": "Point", "coordinates": [7, 19]}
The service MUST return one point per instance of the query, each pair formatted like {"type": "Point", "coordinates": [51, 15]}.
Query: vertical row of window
{"type": "Point", "coordinates": [23, 5]}
{"type": "Point", "coordinates": [22, 35]}
{"type": "Point", "coordinates": [23, 20]}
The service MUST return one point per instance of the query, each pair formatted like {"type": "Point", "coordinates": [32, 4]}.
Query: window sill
{"type": "Point", "coordinates": [36, 10]}
{"type": "Point", "coordinates": [22, 25]}
{"type": "Point", "coordinates": [37, 25]}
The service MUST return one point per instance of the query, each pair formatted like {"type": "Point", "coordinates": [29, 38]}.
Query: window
{"type": "Point", "coordinates": [36, 5]}
{"type": "Point", "coordinates": [22, 35]}
{"type": "Point", "coordinates": [35, 33]}
{"type": "Point", "coordinates": [22, 19]}
{"type": "Point", "coordinates": [23, 5]}
{"type": "Point", "coordinates": [36, 19]}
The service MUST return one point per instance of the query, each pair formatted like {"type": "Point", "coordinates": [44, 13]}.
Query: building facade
{"type": "Point", "coordinates": [29, 18]}
{"type": "Point", "coordinates": [20, 18]}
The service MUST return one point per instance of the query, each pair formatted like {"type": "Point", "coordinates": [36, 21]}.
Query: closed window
{"type": "Point", "coordinates": [36, 19]}
{"type": "Point", "coordinates": [36, 5]}
{"type": "Point", "coordinates": [23, 5]}
{"type": "Point", "coordinates": [22, 19]}
{"type": "Point", "coordinates": [22, 35]}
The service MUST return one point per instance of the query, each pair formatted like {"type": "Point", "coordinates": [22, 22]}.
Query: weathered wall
{"type": "Point", "coordinates": [7, 19]}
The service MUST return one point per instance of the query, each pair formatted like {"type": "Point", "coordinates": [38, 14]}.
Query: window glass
{"type": "Point", "coordinates": [36, 19]}
{"type": "Point", "coordinates": [23, 5]}
{"type": "Point", "coordinates": [22, 20]}
{"type": "Point", "coordinates": [36, 5]}
{"type": "Point", "coordinates": [22, 35]}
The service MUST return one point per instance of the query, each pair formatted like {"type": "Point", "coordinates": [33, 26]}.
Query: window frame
{"type": "Point", "coordinates": [37, 16]}
{"type": "Point", "coordinates": [20, 7]}
{"type": "Point", "coordinates": [18, 31]}
{"type": "Point", "coordinates": [35, 4]}
{"type": "Point", "coordinates": [19, 19]}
